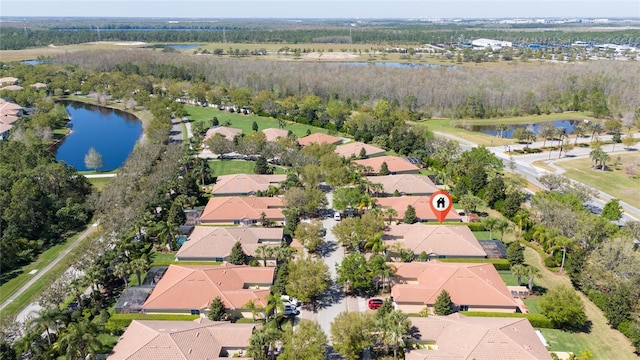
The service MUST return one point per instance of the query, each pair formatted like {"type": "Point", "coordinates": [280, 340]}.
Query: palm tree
{"type": "Point", "coordinates": [397, 249]}
{"type": "Point", "coordinates": [261, 253]}
{"type": "Point", "coordinates": [547, 133]}
{"type": "Point", "coordinates": [580, 130]}
{"type": "Point", "coordinates": [519, 271]}
{"type": "Point", "coordinates": [390, 213]}
{"type": "Point", "coordinates": [274, 305]}
{"type": "Point", "coordinates": [375, 244]}
{"type": "Point", "coordinates": [48, 320]}
{"type": "Point", "coordinates": [166, 233]}
{"type": "Point", "coordinates": [138, 266]}
{"type": "Point", "coordinates": [78, 340]}
{"type": "Point", "coordinates": [563, 242]}
{"type": "Point", "coordinates": [121, 270]}
{"type": "Point", "coordinates": [502, 225]}
{"type": "Point", "coordinates": [489, 223]}
{"type": "Point", "coordinates": [253, 307]}
{"type": "Point", "coordinates": [532, 272]}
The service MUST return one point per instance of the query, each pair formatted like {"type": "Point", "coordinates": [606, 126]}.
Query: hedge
{"type": "Point", "coordinates": [536, 320]}
{"type": "Point", "coordinates": [499, 264]}
{"type": "Point", "coordinates": [119, 322]}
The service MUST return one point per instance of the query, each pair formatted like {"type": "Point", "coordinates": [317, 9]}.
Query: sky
{"type": "Point", "coordinates": [301, 9]}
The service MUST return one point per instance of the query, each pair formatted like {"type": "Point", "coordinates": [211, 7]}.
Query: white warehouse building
{"type": "Point", "coordinates": [480, 44]}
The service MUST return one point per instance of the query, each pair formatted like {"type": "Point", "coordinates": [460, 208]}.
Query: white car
{"type": "Point", "coordinates": [337, 216]}
{"type": "Point", "coordinates": [289, 310]}
{"type": "Point", "coordinates": [288, 300]}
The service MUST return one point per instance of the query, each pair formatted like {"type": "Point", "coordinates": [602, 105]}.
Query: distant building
{"type": "Point", "coordinates": [395, 164]}
{"type": "Point", "coordinates": [273, 134]}
{"type": "Point", "coordinates": [319, 138]}
{"type": "Point", "coordinates": [481, 44]}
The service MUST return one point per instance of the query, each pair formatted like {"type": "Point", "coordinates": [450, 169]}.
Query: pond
{"type": "Point", "coordinates": [112, 133]}
{"type": "Point", "coordinates": [183, 46]}
{"type": "Point", "coordinates": [508, 133]}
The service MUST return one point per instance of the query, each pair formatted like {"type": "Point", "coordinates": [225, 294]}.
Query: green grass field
{"type": "Point", "coordinates": [614, 181]}
{"type": "Point", "coordinates": [532, 304]}
{"type": "Point", "coordinates": [227, 167]}
{"type": "Point", "coordinates": [508, 278]}
{"type": "Point", "coordinates": [245, 122]}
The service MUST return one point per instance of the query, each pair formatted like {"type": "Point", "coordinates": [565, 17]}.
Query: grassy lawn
{"type": "Point", "coordinates": [244, 122]}
{"type": "Point", "coordinates": [12, 281]}
{"type": "Point", "coordinates": [227, 167]}
{"type": "Point", "coordinates": [604, 342]}
{"type": "Point", "coordinates": [613, 181]}
{"type": "Point", "coordinates": [100, 183]}
{"type": "Point", "coordinates": [532, 304]}
{"type": "Point", "coordinates": [166, 259]}
{"type": "Point", "coordinates": [455, 127]}
{"type": "Point", "coordinates": [508, 278]}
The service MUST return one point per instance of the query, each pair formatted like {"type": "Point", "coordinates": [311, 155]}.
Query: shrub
{"type": "Point", "coordinates": [476, 226]}
{"type": "Point", "coordinates": [536, 320]}
{"type": "Point", "coordinates": [550, 262]}
{"type": "Point", "coordinates": [119, 322]}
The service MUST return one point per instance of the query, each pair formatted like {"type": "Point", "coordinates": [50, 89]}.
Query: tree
{"type": "Point", "coordinates": [121, 270]}
{"type": "Point", "coordinates": [489, 223]}
{"type": "Point", "coordinates": [93, 159]}
{"type": "Point", "coordinates": [612, 210]}
{"type": "Point", "coordinates": [443, 304]}
{"type": "Point", "coordinates": [253, 307]}
{"type": "Point", "coordinates": [139, 266]}
{"type": "Point", "coordinates": [237, 256]}
{"type": "Point", "coordinates": [515, 253]}
{"type": "Point", "coordinates": [470, 202]}
{"type": "Point", "coordinates": [628, 141]}
{"type": "Point", "coordinates": [217, 310]}
{"type": "Point", "coordinates": [532, 272]}
{"type": "Point", "coordinates": [264, 252]}
{"type": "Point", "coordinates": [410, 216]}
{"type": "Point", "coordinates": [308, 279]}
{"type": "Point", "coordinates": [390, 213]}
{"type": "Point", "coordinates": [519, 270]}
{"type": "Point", "coordinates": [363, 154]}
{"type": "Point", "coordinates": [262, 342]}
{"type": "Point", "coordinates": [384, 169]}
{"type": "Point", "coordinates": [308, 234]}
{"type": "Point", "coordinates": [47, 320]}
{"type": "Point", "coordinates": [78, 340]}
{"type": "Point", "coordinates": [563, 307]}
{"type": "Point", "coordinates": [307, 341]}
{"type": "Point", "coordinates": [353, 273]}
{"type": "Point", "coordinates": [254, 126]}
{"type": "Point", "coordinates": [262, 166]}
{"type": "Point", "coordinates": [351, 334]}
{"type": "Point", "coordinates": [391, 327]}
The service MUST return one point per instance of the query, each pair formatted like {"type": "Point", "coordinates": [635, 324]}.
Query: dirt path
{"type": "Point", "coordinates": [608, 343]}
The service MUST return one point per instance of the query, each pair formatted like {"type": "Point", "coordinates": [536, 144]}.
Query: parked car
{"type": "Point", "coordinates": [289, 310]}
{"type": "Point", "coordinates": [288, 300]}
{"type": "Point", "coordinates": [337, 216]}
{"type": "Point", "coordinates": [374, 304]}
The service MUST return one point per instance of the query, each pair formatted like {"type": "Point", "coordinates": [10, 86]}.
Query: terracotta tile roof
{"type": "Point", "coordinates": [448, 240]}
{"type": "Point", "coordinates": [406, 184]}
{"type": "Point", "coordinates": [217, 242]}
{"type": "Point", "coordinates": [319, 138]}
{"type": "Point", "coordinates": [12, 88]}
{"type": "Point", "coordinates": [228, 209]}
{"type": "Point", "coordinates": [174, 340]}
{"type": "Point", "coordinates": [227, 132]}
{"type": "Point", "coordinates": [39, 85]}
{"type": "Point", "coordinates": [394, 163]}
{"type": "Point", "coordinates": [9, 108]}
{"type": "Point", "coordinates": [475, 285]}
{"type": "Point", "coordinates": [353, 149]}
{"type": "Point", "coordinates": [8, 80]}
{"type": "Point", "coordinates": [460, 337]}
{"type": "Point", "coordinates": [193, 287]}
{"type": "Point", "coordinates": [420, 203]}
{"type": "Point", "coordinates": [245, 183]}
{"type": "Point", "coordinates": [272, 134]}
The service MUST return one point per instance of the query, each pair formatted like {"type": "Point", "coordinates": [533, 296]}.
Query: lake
{"type": "Point", "coordinates": [493, 130]}
{"type": "Point", "coordinates": [111, 132]}
{"type": "Point", "coordinates": [183, 46]}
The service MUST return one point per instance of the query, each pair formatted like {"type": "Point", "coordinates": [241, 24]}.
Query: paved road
{"type": "Point", "coordinates": [43, 271]}
{"type": "Point", "coordinates": [524, 165]}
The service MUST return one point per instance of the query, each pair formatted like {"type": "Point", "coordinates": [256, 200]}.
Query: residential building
{"type": "Point", "coordinates": [12, 88]}
{"type": "Point", "coordinates": [354, 148]}
{"type": "Point", "coordinates": [212, 243]}
{"type": "Point", "coordinates": [420, 203]}
{"type": "Point", "coordinates": [228, 132]}
{"type": "Point", "coordinates": [189, 289]}
{"type": "Point", "coordinates": [9, 80]}
{"type": "Point", "coordinates": [319, 138]}
{"type": "Point", "coordinates": [245, 184]}
{"type": "Point", "coordinates": [198, 339]}
{"type": "Point", "coordinates": [273, 134]}
{"type": "Point", "coordinates": [437, 241]}
{"type": "Point", "coordinates": [236, 210]}
{"type": "Point", "coordinates": [38, 85]}
{"type": "Point", "coordinates": [405, 184]}
{"type": "Point", "coordinates": [9, 114]}
{"type": "Point", "coordinates": [395, 164]}
{"type": "Point", "coordinates": [472, 287]}
{"type": "Point", "coordinates": [456, 337]}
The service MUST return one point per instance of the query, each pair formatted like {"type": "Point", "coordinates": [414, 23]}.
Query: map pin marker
{"type": "Point", "coordinates": [441, 203]}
